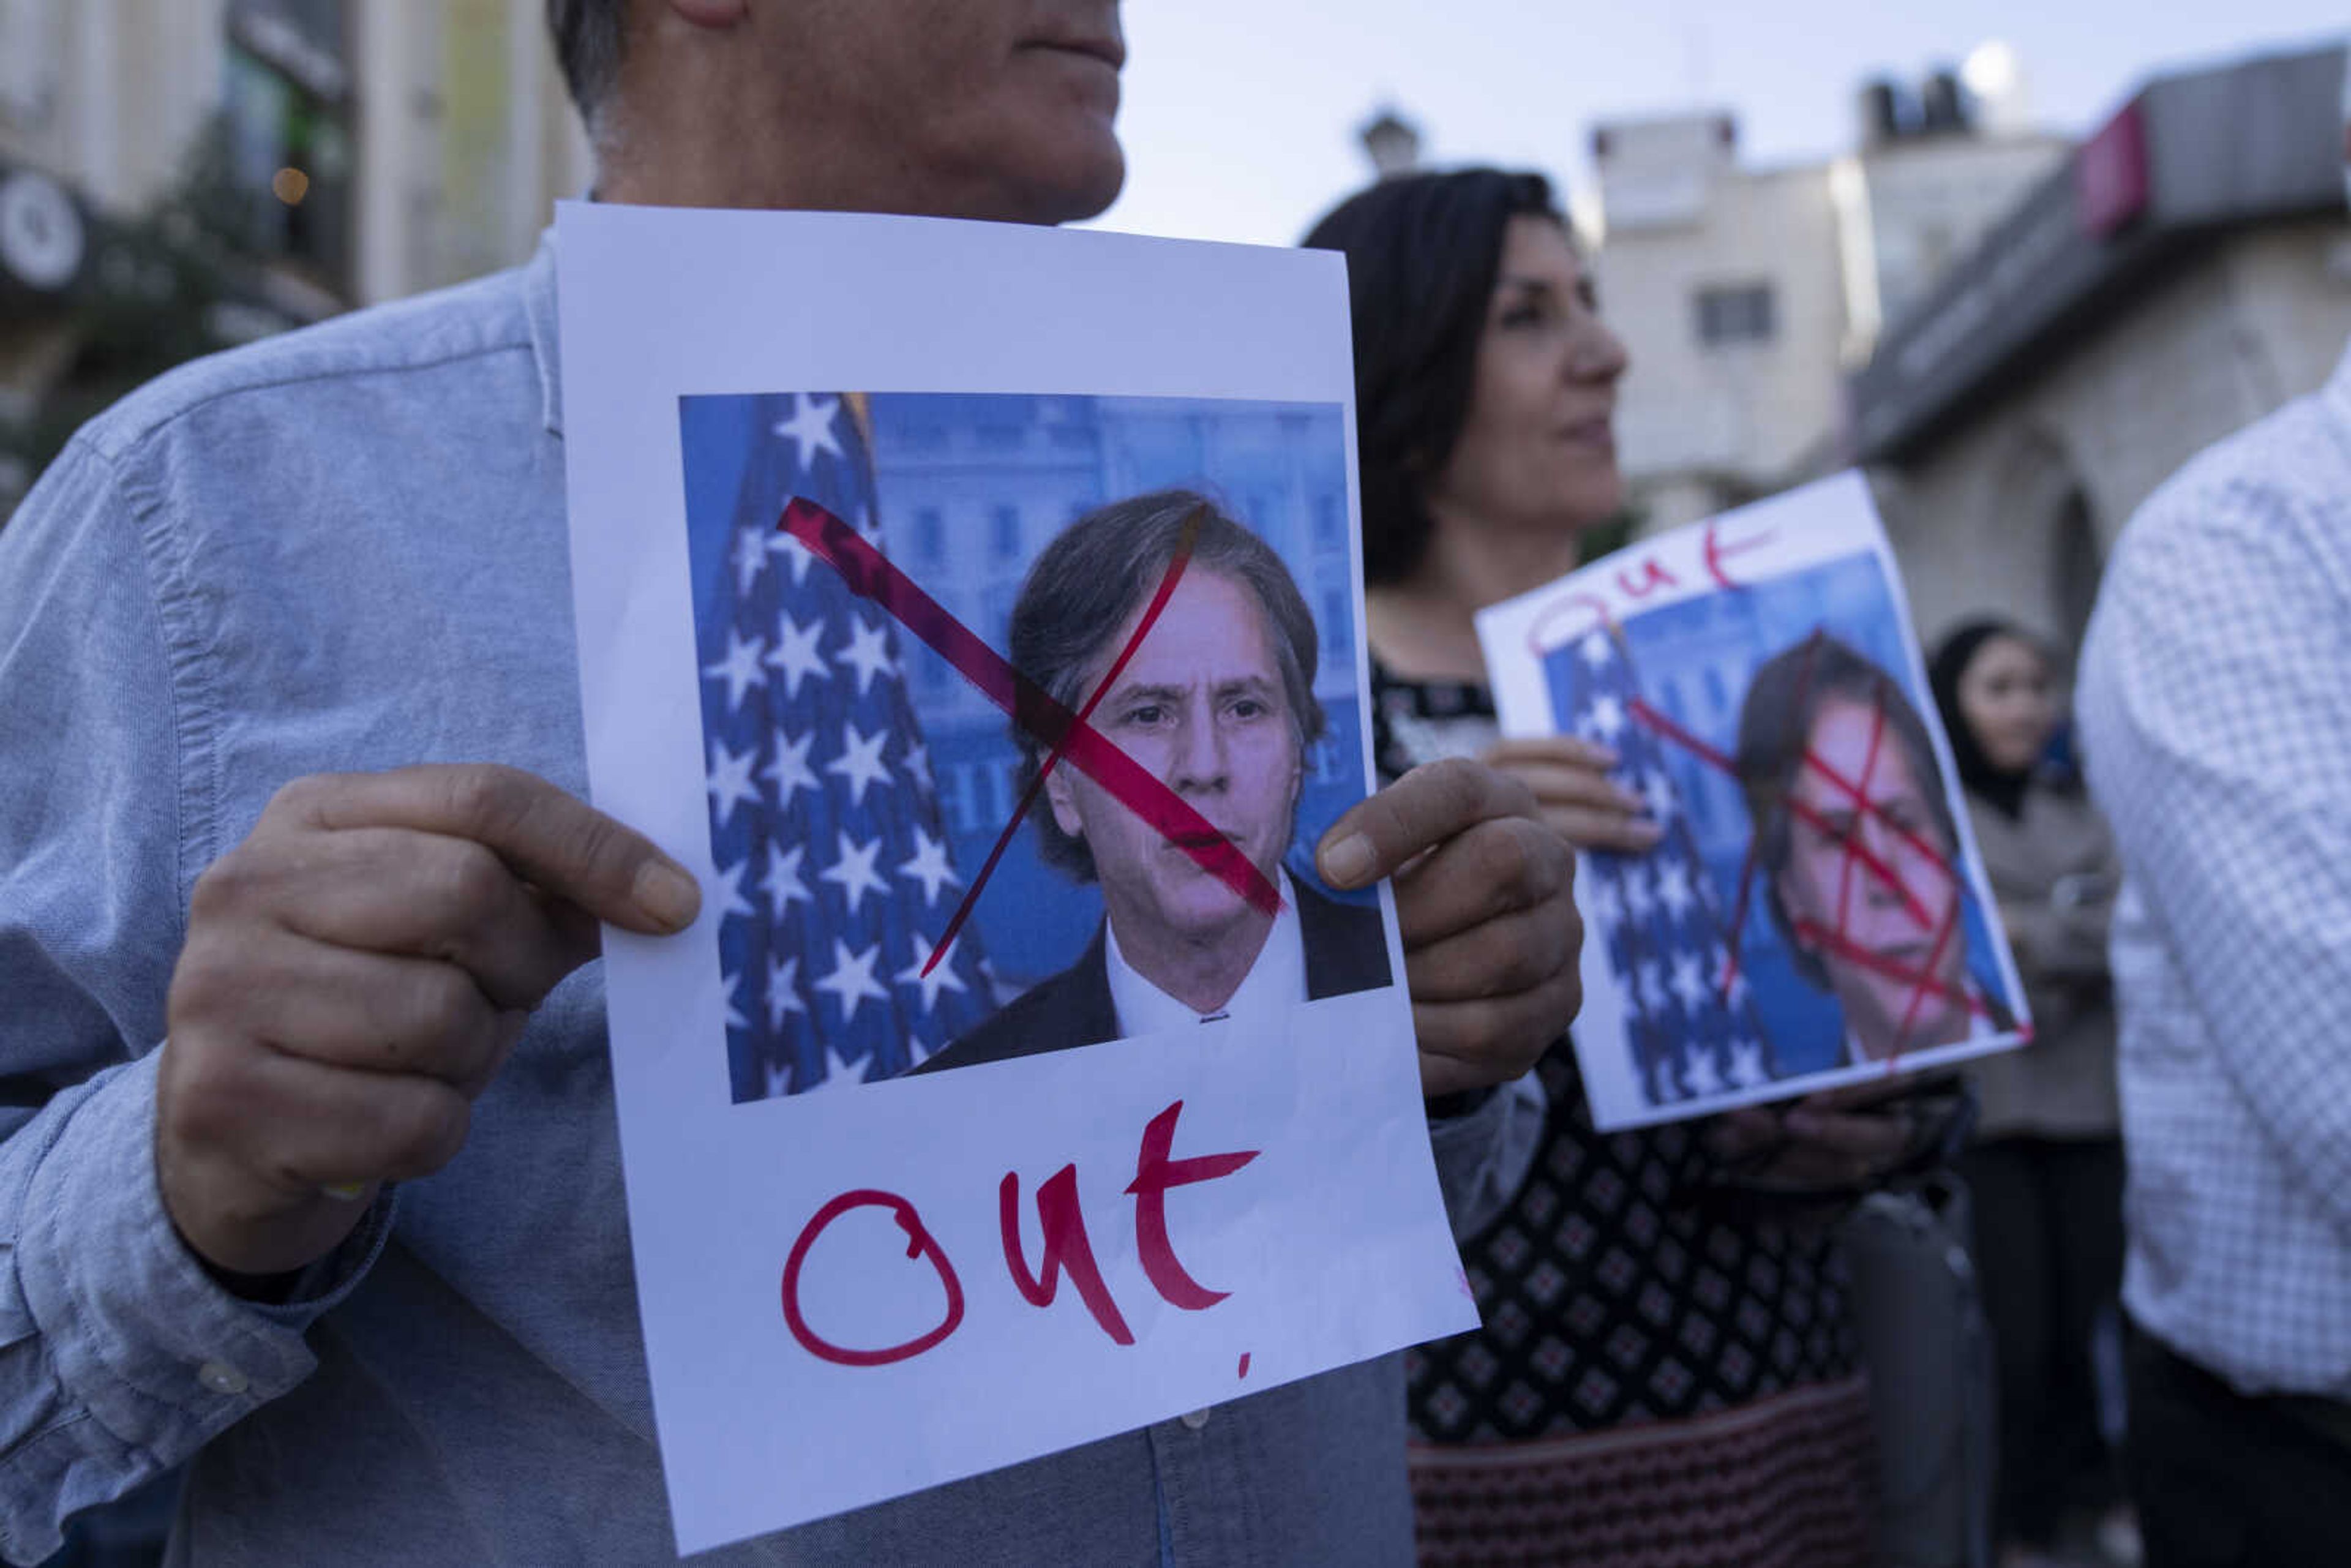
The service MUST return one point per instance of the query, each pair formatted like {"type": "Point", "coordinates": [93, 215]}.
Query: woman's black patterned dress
{"type": "Point", "coordinates": [1662, 1377]}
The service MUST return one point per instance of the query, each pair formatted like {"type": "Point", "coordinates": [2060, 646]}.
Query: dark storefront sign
{"type": "Point", "coordinates": [2191, 156]}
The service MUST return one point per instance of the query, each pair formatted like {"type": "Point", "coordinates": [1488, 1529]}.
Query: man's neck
{"type": "Point", "coordinates": [1202, 975]}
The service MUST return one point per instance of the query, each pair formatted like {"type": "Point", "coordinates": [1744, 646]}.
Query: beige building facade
{"type": "Point", "coordinates": [2184, 273]}
{"type": "Point", "coordinates": [1746, 296]}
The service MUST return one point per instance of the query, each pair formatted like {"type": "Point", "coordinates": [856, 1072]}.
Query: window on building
{"type": "Point", "coordinates": [930, 534]}
{"type": "Point", "coordinates": [1334, 623]}
{"type": "Point", "coordinates": [1329, 520]}
{"type": "Point", "coordinates": [1744, 313]}
{"type": "Point", "coordinates": [1004, 532]}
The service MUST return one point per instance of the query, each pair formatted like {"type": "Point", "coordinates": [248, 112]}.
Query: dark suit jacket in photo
{"type": "Point", "coordinates": [1346, 950]}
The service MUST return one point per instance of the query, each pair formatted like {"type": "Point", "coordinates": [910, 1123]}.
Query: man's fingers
{"type": "Point", "coordinates": [551, 839]}
{"type": "Point", "coordinates": [1513, 952]}
{"type": "Point", "coordinates": [1549, 751]}
{"type": "Point", "coordinates": [1470, 1044]}
{"type": "Point", "coordinates": [330, 1126]}
{"type": "Point", "coordinates": [1614, 832]}
{"type": "Point", "coordinates": [399, 891]}
{"type": "Point", "coordinates": [1497, 868]}
{"type": "Point", "coordinates": [1426, 806]}
{"type": "Point", "coordinates": [373, 1012]}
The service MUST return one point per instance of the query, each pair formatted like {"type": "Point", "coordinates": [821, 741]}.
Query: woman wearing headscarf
{"type": "Point", "coordinates": [2046, 1169]}
{"type": "Point", "coordinates": [1666, 1375]}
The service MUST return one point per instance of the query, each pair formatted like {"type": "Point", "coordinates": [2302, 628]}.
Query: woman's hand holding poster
{"type": "Point", "coordinates": [1815, 914]}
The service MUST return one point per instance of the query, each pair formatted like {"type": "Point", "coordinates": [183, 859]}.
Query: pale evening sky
{"type": "Point", "coordinates": [1239, 115]}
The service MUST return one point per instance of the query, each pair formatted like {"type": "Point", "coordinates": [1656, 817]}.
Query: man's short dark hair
{"type": "Point", "coordinates": [1422, 254]}
{"type": "Point", "coordinates": [1775, 731]}
{"type": "Point", "coordinates": [587, 37]}
{"type": "Point", "coordinates": [1092, 579]}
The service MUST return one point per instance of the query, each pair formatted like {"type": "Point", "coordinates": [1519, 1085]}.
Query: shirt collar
{"type": "Point", "coordinates": [1278, 979]}
{"type": "Point", "coordinates": [546, 338]}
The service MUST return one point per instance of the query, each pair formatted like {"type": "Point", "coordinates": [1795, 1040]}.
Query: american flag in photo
{"type": "Point", "coordinates": [824, 827]}
{"type": "Point", "coordinates": [1688, 1018]}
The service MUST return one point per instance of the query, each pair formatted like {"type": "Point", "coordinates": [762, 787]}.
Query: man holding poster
{"type": "Point", "coordinates": [344, 550]}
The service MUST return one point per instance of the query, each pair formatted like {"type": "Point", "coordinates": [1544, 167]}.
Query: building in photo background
{"type": "Point", "coordinates": [371, 149]}
{"type": "Point", "coordinates": [2182, 274]}
{"type": "Point", "coordinates": [1745, 294]}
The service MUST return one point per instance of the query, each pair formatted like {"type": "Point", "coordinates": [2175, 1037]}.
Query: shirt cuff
{"type": "Point", "coordinates": [1482, 1157]}
{"type": "Point", "coordinates": [142, 1336]}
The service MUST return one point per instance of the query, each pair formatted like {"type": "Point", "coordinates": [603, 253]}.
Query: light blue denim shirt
{"type": "Point", "coordinates": [345, 550]}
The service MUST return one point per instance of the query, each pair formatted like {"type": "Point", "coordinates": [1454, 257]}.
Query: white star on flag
{"type": "Point", "coordinates": [916, 765]}
{"type": "Point", "coordinates": [944, 978]}
{"type": "Point", "coordinates": [1699, 1073]}
{"type": "Point", "coordinates": [1606, 907]}
{"type": "Point", "coordinates": [1733, 982]}
{"type": "Point", "coordinates": [1638, 902]}
{"type": "Point", "coordinates": [795, 654]}
{"type": "Point", "coordinates": [790, 772]}
{"type": "Point", "coordinates": [735, 1019]}
{"type": "Point", "coordinates": [930, 866]}
{"type": "Point", "coordinates": [1651, 982]}
{"type": "Point", "coordinates": [730, 782]}
{"type": "Point", "coordinates": [810, 427]}
{"type": "Point", "coordinates": [739, 669]}
{"type": "Point", "coordinates": [851, 981]}
{"type": "Point", "coordinates": [1597, 649]}
{"type": "Point", "coordinates": [783, 992]}
{"type": "Point", "coordinates": [1747, 1064]}
{"type": "Point", "coordinates": [783, 884]}
{"type": "Point", "coordinates": [868, 653]}
{"type": "Point", "coordinates": [852, 873]}
{"type": "Point", "coordinates": [1607, 719]}
{"type": "Point", "coordinates": [840, 1073]}
{"type": "Point", "coordinates": [798, 554]}
{"type": "Point", "coordinates": [732, 904]}
{"type": "Point", "coordinates": [1663, 1089]}
{"type": "Point", "coordinates": [1657, 794]}
{"type": "Point", "coordinates": [859, 761]}
{"type": "Point", "coordinates": [1673, 889]}
{"type": "Point", "coordinates": [1689, 985]}
{"type": "Point", "coordinates": [750, 556]}
{"type": "Point", "coordinates": [779, 1075]}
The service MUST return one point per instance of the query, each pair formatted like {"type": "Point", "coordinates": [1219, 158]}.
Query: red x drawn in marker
{"type": "Point", "coordinates": [870, 575]}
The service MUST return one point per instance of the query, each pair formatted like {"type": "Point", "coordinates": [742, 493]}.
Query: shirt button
{"type": "Point", "coordinates": [1196, 1420]}
{"type": "Point", "coordinates": [222, 1378]}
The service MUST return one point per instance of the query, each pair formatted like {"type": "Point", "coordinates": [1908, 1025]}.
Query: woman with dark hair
{"type": "Point", "coordinates": [1665, 1375]}
{"type": "Point", "coordinates": [2047, 1170]}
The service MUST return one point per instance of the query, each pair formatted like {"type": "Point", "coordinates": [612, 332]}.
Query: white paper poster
{"type": "Point", "coordinates": [1816, 914]}
{"type": "Point", "coordinates": [977, 609]}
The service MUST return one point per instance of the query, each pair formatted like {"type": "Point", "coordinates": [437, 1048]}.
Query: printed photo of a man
{"type": "Point", "coordinates": [1217, 702]}
{"type": "Point", "coordinates": [1855, 849]}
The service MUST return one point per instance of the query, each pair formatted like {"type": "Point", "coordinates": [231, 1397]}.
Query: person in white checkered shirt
{"type": "Point", "coordinates": [2215, 707]}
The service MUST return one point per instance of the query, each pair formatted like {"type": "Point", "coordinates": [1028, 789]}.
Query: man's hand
{"type": "Point", "coordinates": [1574, 793]}
{"type": "Point", "coordinates": [355, 973]}
{"type": "Point", "coordinates": [1484, 892]}
{"type": "Point", "coordinates": [1832, 1141]}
